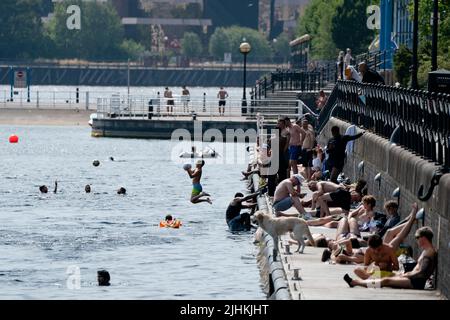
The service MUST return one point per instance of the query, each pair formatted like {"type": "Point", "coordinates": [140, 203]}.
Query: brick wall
{"type": "Point", "coordinates": [401, 168]}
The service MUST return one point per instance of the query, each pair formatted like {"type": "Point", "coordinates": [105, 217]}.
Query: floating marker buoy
{"type": "Point", "coordinates": [96, 163]}
{"type": "Point", "coordinates": [13, 139]}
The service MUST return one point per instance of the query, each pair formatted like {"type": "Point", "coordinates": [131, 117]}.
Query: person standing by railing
{"type": "Point", "coordinates": [185, 98]}
{"type": "Point", "coordinates": [169, 100]}
{"type": "Point", "coordinates": [348, 58]}
{"type": "Point", "coordinates": [321, 100]}
{"type": "Point", "coordinates": [340, 65]}
{"type": "Point", "coordinates": [336, 150]}
{"type": "Point", "coordinates": [369, 75]}
{"type": "Point", "coordinates": [222, 95]}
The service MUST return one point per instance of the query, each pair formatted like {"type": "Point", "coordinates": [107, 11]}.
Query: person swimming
{"type": "Point", "coordinates": [122, 190]}
{"type": "Point", "coordinates": [87, 188]}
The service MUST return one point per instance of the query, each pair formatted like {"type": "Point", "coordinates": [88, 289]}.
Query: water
{"type": "Point", "coordinates": [41, 236]}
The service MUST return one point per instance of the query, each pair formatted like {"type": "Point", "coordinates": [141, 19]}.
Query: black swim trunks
{"type": "Point", "coordinates": [342, 199]}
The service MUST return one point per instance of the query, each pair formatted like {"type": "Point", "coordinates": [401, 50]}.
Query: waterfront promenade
{"type": "Point", "coordinates": [324, 281]}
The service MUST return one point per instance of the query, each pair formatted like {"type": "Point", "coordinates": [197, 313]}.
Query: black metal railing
{"type": "Point", "coordinates": [325, 113]}
{"type": "Point", "coordinates": [420, 119]}
{"type": "Point", "coordinates": [375, 60]}
{"type": "Point", "coordinates": [294, 80]}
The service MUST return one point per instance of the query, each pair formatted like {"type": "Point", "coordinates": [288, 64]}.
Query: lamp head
{"type": "Point", "coordinates": [245, 47]}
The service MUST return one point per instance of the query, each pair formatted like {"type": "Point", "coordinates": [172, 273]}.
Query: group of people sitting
{"type": "Point", "coordinates": [364, 235]}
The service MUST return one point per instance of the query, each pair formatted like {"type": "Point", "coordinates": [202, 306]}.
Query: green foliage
{"type": "Point", "coordinates": [402, 64]}
{"type": "Point", "coordinates": [317, 22]}
{"type": "Point", "coordinates": [101, 33]}
{"type": "Point", "coordinates": [349, 26]}
{"type": "Point", "coordinates": [191, 45]}
{"type": "Point", "coordinates": [425, 27]}
{"type": "Point", "coordinates": [132, 49]}
{"type": "Point", "coordinates": [228, 40]}
{"type": "Point", "coordinates": [281, 46]}
{"type": "Point", "coordinates": [21, 29]}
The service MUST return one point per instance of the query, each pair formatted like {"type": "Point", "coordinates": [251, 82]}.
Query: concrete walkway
{"type": "Point", "coordinates": [324, 281]}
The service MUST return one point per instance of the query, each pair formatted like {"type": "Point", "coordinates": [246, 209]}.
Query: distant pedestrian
{"type": "Point", "coordinates": [369, 75]}
{"type": "Point", "coordinates": [185, 98]}
{"type": "Point", "coordinates": [321, 100]}
{"type": "Point", "coordinates": [222, 95]}
{"type": "Point", "coordinates": [169, 100]}
{"type": "Point", "coordinates": [348, 58]}
{"type": "Point", "coordinates": [340, 65]}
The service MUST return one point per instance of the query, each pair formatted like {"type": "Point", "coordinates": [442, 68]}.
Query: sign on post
{"type": "Point", "coordinates": [20, 79]}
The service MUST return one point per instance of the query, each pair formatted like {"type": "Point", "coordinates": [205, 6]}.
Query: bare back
{"type": "Point", "coordinates": [295, 132]}
{"type": "Point", "coordinates": [284, 189]}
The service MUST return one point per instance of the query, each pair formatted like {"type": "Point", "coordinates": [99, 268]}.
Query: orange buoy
{"type": "Point", "coordinates": [13, 138]}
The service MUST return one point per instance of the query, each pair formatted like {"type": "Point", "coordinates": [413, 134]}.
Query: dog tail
{"type": "Point", "coordinates": [310, 237]}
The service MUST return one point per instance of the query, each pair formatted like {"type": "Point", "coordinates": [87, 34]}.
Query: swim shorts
{"type": "Point", "coordinates": [196, 189]}
{"type": "Point", "coordinates": [294, 152]}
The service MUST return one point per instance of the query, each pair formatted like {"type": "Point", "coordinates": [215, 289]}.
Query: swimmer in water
{"type": "Point", "coordinates": [197, 189]}
{"type": "Point", "coordinates": [44, 189]}
{"type": "Point", "coordinates": [87, 188]}
{"type": "Point", "coordinates": [103, 278]}
{"type": "Point", "coordinates": [122, 190]}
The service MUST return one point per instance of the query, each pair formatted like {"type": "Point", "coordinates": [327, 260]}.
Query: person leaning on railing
{"type": "Point", "coordinates": [369, 75]}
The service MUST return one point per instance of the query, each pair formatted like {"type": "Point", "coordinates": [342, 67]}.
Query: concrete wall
{"type": "Point", "coordinates": [401, 168]}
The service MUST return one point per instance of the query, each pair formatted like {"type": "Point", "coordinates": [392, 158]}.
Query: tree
{"type": "Point", "coordinates": [229, 39]}
{"type": "Point", "coordinates": [349, 29]}
{"type": "Point", "coordinates": [21, 31]}
{"type": "Point", "coordinates": [191, 46]}
{"type": "Point", "coordinates": [402, 64]}
{"type": "Point", "coordinates": [100, 36]}
{"type": "Point", "coordinates": [131, 49]}
{"type": "Point", "coordinates": [317, 22]}
{"type": "Point", "coordinates": [281, 46]}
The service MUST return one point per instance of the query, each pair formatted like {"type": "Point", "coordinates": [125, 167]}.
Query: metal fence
{"type": "Point", "coordinates": [417, 120]}
{"type": "Point", "coordinates": [147, 107]}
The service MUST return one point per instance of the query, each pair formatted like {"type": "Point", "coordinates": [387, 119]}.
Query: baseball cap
{"type": "Point", "coordinates": [299, 177]}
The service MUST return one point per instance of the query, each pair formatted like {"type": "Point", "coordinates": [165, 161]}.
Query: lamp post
{"type": "Point", "coordinates": [245, 49]}
{"type": "Point", "coordinates": [415, 59]}
{"type": "Point", "coordinates": [434, 47]}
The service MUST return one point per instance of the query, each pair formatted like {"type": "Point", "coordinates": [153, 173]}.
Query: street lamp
{"type": "Point", "coordinates": [245, 49]}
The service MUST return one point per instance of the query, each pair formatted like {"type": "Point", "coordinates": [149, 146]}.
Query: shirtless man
{"type": "Point", "coordinates": [44, 188]}
{"type": "Point", "coordinates": [382, 255]}
{"type": "Point", "coordinates": [295, 145]}
{"type": "Point", "coordinates": [308, 144]}
{"type": "Point", "coordinates": [320, 188]}
{"type": "Point", "coordinates": [286, 196]}
{"type": "Point", "coordinates": [222, 95]}
{"type": "Point", "coordinates": [169, 99]}
{"type": "Point", "coordinates": [197, 189]}
{"type": "Point", "coordinates": [185, 97]}
{"type": "Point", "coordinates": [340, 198]}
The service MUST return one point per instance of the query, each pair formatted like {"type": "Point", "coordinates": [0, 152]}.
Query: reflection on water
{"type": "Point", "coordinates": [42, 235]}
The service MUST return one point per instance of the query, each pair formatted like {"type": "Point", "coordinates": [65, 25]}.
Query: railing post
{"type": "Point", "coordinates": [87, 100]}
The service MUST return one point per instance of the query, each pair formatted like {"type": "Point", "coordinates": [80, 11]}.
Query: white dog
{"type": "Point", "coordinates": [279, 226]}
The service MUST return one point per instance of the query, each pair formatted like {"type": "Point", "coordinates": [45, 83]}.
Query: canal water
{"type": "Point", "coordinates": [47, 240]}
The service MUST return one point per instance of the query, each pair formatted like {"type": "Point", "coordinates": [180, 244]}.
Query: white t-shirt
{"type": "Point", "coordinates": [317, 164]}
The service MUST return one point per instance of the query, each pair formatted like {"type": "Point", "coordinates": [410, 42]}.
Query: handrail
{"type": "Point", "coordinates": [423, 118]}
